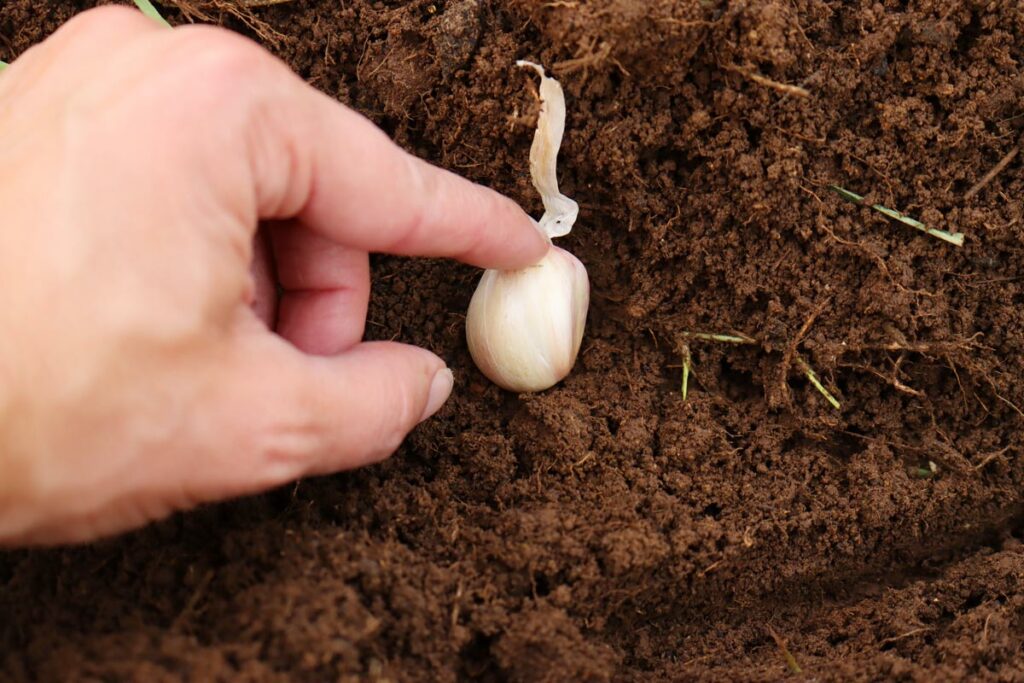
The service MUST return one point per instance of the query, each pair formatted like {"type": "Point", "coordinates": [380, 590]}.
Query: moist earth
{"type": "Point", "coordinates": [609, 529]}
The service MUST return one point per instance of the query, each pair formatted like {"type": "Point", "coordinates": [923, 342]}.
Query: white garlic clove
{"type": "Point", "coordinates": [524, 327]}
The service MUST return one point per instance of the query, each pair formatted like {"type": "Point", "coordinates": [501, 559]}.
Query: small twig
{"type": "Point", "coordinates": [588, 456]}
{"type": "Point", "coordinates": [996, 170]}
{"type": "Point", "coordinates": [990, 457]}
{"type": "Point", "coordinates": [892, 444]}
{"type": "Point", "coordinates": [686, 370]}
{"type": "Point", "coordinates": [745, 340]}
{"type": "Point", "coordinates": [248, 4]}
{"type": "Point", "coordinates": [724, 338]}
{"type": "Point", "coordinates": [963, 393]}
{"type": "Point", "coordinates": [879, 261]}
{"type": "Point", "coordinates": [787, 356]}
{"type": "Point", "coordinates": [923, 629]}
{"type": "Point", "coordinates": [684, 24]}
{"type": "Point", "coordinates": [769, 83]}
{"type": "Point", "coordinates": [790, 659]}
{"type": "Point", "coordinates": [455, 606]}
{"type": "Point", "coordinates": [896, 383]}
{"type": "Point", "coordinates": [379, 66]}
{"type": "Point", "coordinates": [710, 568]}
{"type": "Point", "coordinates": [193, 600]}
{"type": "Point", "coordinates": [925, 348]}
{"type": "Point", "coordinates": [1008, 402]}
{"type": "Point", "coordinates": [206, 11]}
{"type": "Point", "coordinates": [811, 375]}
{"type": "Point", "coordinates": [955, 238]}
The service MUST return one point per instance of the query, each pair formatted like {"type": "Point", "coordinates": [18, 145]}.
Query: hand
{"type": "Point", "coordinates": [138, 374]}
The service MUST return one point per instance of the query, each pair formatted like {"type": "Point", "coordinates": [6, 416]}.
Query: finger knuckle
{"type": "Point", "coordinates": [224, 61]}
{"type": "Point", "coordinates": [287, 448]}
{"type": "Point", "coordinates": [102, 22]}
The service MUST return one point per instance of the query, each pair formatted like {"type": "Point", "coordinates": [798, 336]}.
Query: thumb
{"type": "Point", "coordinates": [297, 415]}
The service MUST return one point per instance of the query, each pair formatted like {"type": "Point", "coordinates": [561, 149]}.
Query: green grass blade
{"type": "Point", "coordinates": [813, 376]}
{"type": "Point", "coordinates": [147, 8]}
{"type": "Point", "coordinates": [846, 194]}
{"type": "Point", "coordinates": [725, 338]}
{"type": "Point", "coordinates": [956, 238]}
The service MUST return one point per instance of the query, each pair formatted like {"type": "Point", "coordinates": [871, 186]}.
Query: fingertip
{"type": "Point", "coordinates": [510, 239]}
{"type": "Point", "coordinates": [371, 396]}
{"type": "Point", "coordinates": [473, 223]}
{"type": "Point", "coordinates": [532, 242]}
{"type": "Point", "coordinates": [397, 386]}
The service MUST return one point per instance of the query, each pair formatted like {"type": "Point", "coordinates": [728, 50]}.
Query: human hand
{"type": "Point", "coordinates": [137, 372]}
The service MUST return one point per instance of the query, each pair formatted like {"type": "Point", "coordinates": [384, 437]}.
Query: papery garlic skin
{"type": "Point", "coordinates": [560, 212]}
{"type": "Point", "coordinates": [524, 327]}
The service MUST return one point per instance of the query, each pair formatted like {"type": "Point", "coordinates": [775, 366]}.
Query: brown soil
{"type": "Point", "coordinates": [608, 529]}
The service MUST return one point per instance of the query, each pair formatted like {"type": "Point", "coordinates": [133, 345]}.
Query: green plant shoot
{"type": "Point", "coordinates": [955, 238]}
{"type": "Point", "coordinates": [147, 8]}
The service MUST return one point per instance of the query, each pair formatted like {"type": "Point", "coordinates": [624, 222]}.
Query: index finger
{"type": "Point", "coordinates": [375, 196]}
{"type": "Point", "coordinates": [346, 180]}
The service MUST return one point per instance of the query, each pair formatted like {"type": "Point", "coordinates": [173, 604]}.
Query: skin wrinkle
{"type": "Point", "coordinates": [326, 287]}
{"type": "Point", "coordinates": [287, 194]}
{"type": "Point", "coordinates": [418, 186]}
{"type": "Point", "coordinates": [474, 242]}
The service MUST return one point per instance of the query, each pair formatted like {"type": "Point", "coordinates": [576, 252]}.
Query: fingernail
{"type": "Point", "coordinates": [440, 390]}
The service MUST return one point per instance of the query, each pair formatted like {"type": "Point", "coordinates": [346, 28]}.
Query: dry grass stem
{"type": "Point", "coordinates": [996, 170]}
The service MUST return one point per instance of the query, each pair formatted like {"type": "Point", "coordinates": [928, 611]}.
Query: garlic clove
{"type": "Point", "coordinates": [524, 327]}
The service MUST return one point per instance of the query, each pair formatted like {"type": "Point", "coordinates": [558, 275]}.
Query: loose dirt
{"type": "Point", "coordinates": [608, 529]}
